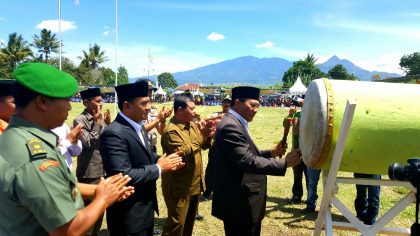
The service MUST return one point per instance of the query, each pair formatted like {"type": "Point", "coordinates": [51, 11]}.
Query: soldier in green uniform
{"type": "Point", "coordinates": [38, 193]}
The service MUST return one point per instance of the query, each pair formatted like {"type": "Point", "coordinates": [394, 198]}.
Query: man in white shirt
{"type": "Point", "coordinates": [68, 142]}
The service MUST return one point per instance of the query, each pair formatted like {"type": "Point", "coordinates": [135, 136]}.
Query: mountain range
{"type": "Point", "coordinates": [261, 71]}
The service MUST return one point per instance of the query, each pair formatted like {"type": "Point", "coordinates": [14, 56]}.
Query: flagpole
{"type": "Point", "coordinates": [59, 31]}
{"type": "Point", "coordinates": [116, 55]}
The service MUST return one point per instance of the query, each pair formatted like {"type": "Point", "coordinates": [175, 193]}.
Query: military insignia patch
{"type": "Point", "coordinates": [47, 164]}
{"type": "Point", "coordinates": [36, 147]}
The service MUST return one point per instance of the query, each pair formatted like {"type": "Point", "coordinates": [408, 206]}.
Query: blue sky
{"type": "Point", "coordinates": [182, 35]}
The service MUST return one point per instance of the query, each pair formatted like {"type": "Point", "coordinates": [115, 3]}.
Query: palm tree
{"type": "Point", "coordinates": [46, 43]}
{"type": "Point", "coordinates": [16, 51]}
{"type": "Point", "coordinates": [310, 59]}
{"type": "Point", "coordinates": [94, 57]}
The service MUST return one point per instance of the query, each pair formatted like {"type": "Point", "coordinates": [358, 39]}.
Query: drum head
{"type": "Point", "coordinates": [314, 123]}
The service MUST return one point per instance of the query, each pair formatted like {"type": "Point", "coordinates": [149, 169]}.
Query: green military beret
{"type": "Point", "coordinates": [46, 80]}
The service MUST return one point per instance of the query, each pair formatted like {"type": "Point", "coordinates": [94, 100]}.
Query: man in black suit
{"type": "Point", "coordinates": [125, 149]}
{"type": "Point", "coordinates": [240, 188]}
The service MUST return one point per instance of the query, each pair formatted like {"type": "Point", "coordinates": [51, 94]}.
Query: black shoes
{"type": "Point", "coordinates": [205, 197]}
{"type": "Point", "coordinates": [295, 200]}
{"type": "Point", "coordinates": [308, 210]}
{"type": "Point", "coordinates": [199, 217]}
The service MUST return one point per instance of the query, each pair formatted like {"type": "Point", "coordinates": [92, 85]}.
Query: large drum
{"type": "Point", "coordinates": [385, 127]}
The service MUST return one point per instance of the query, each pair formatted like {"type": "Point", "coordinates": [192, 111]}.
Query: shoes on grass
{"type": "Point", "coordinates": [295, 200]}
{"type": "Point", "coordinates": [308, 210]}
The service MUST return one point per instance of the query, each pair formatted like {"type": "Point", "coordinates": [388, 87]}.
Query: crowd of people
{"type": "Point", "coordinates": [117, 164]}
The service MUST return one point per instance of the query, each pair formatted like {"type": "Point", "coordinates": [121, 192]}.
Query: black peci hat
{"type": "Point", "coordinates": [6, 87]}
{"type": "Point", "coordinates": [150, 84]}
{"type": "Point", "coordinates": [127, 91]}
{"type": "Point", "coordinates": [90, 93]}
{"type": "Point", "coordinates": [245, 92]}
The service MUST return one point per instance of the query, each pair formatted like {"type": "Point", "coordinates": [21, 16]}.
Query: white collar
{"type": "Point", "coordinates": [136, 126]}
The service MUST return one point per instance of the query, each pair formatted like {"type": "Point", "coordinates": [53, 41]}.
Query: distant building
{"type": "Point", "coordinates": [189, 86]}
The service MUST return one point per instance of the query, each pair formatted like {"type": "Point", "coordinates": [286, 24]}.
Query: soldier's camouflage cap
{"type": "Point", "coordinates": [46, 80]}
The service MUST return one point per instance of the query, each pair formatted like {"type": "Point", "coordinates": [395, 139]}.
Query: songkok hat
{"type": "Point", "coordinates": [227, 98]}
{"type": "Point", "coordinates": [6, 87]}
{"type": "Point", "coordinates": [150, 84]}
{"type": "Point", "coordinates": [127, 91]}
{"type": "Point", "coordinates": [46, 80]}
{"type": "Point", "coordinates": [245, 92]}
{"type": "Point", "coordinates": [90, 93]}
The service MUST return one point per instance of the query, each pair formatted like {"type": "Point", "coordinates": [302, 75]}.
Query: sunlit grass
{"type": "Point", "coordinates": [281, 218]}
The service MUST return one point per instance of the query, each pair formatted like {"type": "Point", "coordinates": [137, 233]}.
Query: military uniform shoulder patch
{"type": "Point", "coordinates": [36, 147]}
{"type": "Point", "coordinates": [47, 164]}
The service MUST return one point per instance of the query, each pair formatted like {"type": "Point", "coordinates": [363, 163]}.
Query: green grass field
{"type": "Point", "coordinates": [281, 218]}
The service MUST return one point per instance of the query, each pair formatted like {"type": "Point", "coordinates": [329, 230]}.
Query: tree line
{"type": "Point", "coordinates": [17, 50]}
{"type": "Point", "coordinates": [307, 69]}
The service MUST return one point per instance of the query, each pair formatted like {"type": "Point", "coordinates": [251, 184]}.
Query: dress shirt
{"type": "Point", "coordinates": [67, 149]}
{"type": "Point", "coordinates": [138, 127]}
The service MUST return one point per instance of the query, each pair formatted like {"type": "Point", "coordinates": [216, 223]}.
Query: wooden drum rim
{"type": "Point", "coordinates": [328, 135]}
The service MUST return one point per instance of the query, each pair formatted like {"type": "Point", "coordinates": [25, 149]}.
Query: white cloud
{"type": "Point", "coordinates": [76, 2]}
{"type": "Point", "coordinates": [134, 57]}
{"type": "Point", "coordinates": [106, 31]}
{"type": "Point", "coordinates": [53, 25]}
{"type": "Point", "coordinates": [395, 30]}
{"type": "Point", "coordinates": [265, 45]}
{"type": "Point", "coordinates": [385, 62]}
{"type": "Point", "coordinates": [215, 36]}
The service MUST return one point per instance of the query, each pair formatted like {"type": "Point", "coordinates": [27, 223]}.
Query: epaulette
{"type": "Point", "coordinates": [36, 148]}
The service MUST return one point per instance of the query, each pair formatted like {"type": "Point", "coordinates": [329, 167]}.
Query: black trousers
{"type": "Point", "coordinates": [298, 172]}
{"type": "Point", "coordinates": [210, 173]}
{"type": "Point", "coordinates": [242, 229]}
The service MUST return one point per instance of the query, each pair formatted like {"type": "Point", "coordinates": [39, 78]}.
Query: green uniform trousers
{"type": "Point", "coordinates": [181, 215]}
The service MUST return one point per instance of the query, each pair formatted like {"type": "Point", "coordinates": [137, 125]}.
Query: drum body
{"type": "Point", "coordinates": [385, 126]}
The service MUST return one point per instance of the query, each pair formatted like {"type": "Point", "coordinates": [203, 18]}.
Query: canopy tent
{"type": "Point", "coordinates": [298, 88]}
{"type": "Point", "coordinates": [160, 91]}
{"type": "Point", "coordinates": [159, 95]}
{"type": "Point", "coordinates": [197, 93]}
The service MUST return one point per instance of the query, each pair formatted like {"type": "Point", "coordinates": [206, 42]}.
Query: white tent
{"type": "Point", "coordinates": [197, 93]}
{"type": "Point", "coordinates": [160, 91]}
{"type": "Point", "coordinates": [159, 95]}
{"type": "Point", "coordinates": [298, 88]}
